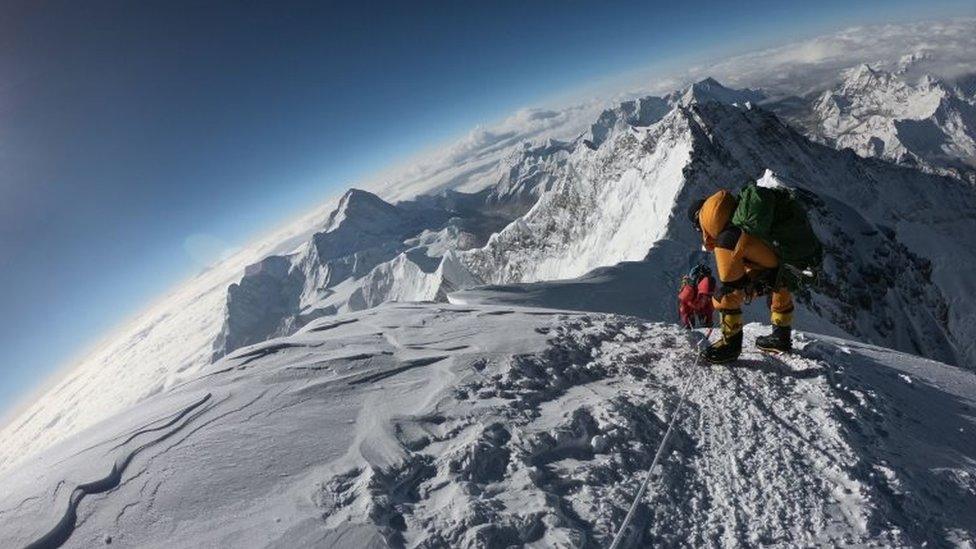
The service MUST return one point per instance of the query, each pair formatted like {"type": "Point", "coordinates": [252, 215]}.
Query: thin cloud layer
{"type": "Point", "coordinates": [946, 49]}
{"type": "Point", "coordinates": [472, 162]}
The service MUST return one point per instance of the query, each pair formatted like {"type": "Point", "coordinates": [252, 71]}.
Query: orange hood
{"type": "Point", "coordinates": [715, 214]}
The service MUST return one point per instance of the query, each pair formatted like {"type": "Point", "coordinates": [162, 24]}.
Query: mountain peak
{"type": "Point", "coordinates": [360, 204]}
{"type": "Point", "coordinates": [355, 196]}
{"type": "Point", "coordinates": [711, 90]}
{"type": "Point", "coordinates": [708, 83]}
{"type": "Point", "coordinates": [863, 77]}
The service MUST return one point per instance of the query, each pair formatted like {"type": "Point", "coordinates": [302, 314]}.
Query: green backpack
{"type": "Point", "coordinates": [776, 216]}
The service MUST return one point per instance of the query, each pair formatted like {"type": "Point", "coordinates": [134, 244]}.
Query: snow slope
{"type": "Point", "coordinates": [566, 208]}
{"type": "Point", "coordinates": [171, 338]}
{"type": "Point", "coordinates": [182, 331]}
{"type": "Point", "coordinates": [570, 207]}
{"type": "Point", "coordinates": [425, 425]}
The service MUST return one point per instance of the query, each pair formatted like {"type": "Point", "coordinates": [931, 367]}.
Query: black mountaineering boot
{"type": "Point", "coordinates": [724, 350]}
{"type": "Point", "coordinates": [729, 347]}
{"type": "Point", "coordinates": [777, 342]}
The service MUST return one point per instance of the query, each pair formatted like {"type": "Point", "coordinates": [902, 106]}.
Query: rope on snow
{"type": "Point", "coordinates": [618, 538]}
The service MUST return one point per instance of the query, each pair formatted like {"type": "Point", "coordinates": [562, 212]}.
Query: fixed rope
{"type": "Point", "coordinates": [618, 539]}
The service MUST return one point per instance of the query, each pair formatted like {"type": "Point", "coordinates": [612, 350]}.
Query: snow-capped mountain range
{"type": "Point", "coordinates": [610, 195]}
{"type": "Point", "coordinates": [561, 208]}
{"type": "Point", "coordinates": [924, 123]}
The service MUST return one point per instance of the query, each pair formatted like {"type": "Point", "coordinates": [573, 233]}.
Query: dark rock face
{"type": "Point", "coordinates": [257, 306]}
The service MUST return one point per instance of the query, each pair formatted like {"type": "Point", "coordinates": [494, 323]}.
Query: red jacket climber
{"type": "Point", "coordinates": [695, 297]}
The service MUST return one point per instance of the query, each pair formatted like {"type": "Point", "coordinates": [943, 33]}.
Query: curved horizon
{"type": "Point", "coordinates": [421, 159]}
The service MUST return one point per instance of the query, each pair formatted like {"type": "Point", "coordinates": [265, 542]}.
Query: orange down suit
{"type": "Point", "coordinates": [739, 257]}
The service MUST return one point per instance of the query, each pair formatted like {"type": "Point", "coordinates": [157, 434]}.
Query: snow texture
{"type": "Point", "coordinates": [430, 425]}
{"type": "Point", "coordinates": [563, 209]}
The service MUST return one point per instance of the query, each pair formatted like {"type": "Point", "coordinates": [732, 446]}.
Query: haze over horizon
{"type": "Point", "coordinates": [142, 143]}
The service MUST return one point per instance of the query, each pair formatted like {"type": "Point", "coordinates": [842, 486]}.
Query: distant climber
{"type": "Point", "coordinates": [762, 241]}
{"type": "Point", "coordinates": [695, 297]}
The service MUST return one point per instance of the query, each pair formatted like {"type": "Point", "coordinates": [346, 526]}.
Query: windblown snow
{"type": "Point", "coordinates": [444, 426]}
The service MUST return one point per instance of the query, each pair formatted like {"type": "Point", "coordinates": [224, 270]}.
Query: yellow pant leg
{"type": "Point", "coordinates": [781, 308]}
{"type": "Point", "coordinates": [750, 258]}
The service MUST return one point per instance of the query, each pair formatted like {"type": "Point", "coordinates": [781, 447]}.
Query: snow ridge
{"type": "Point", "coordinates": [428, 425]}
{"type": "Point", "coordinates": [369, 252]}
{"type": "Point", "coordinates": [895, 283]}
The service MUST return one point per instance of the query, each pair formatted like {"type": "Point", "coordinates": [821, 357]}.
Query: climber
{"type": "Point", "coordinates": [748, 265]}
{"type": "Point", "coordinates": [695, 297]}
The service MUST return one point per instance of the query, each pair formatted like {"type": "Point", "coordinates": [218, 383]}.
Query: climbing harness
{"type": "Point", "coordinates": [618, 539]}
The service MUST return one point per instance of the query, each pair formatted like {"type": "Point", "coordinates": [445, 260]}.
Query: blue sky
{"type": "Point", "coordinates": [127, 127]}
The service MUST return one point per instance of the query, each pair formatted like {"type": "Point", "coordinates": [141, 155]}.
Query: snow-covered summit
{"type": "Point", "coordinates": [366, 210]}
{"type": "Point", "coordinates": [418, 425]}
{"type": "Point", "coordinates": [862, 78]}
{"type": "Point", "coordinates": [649, 110]}
{"type": "Point", "coordinates": [622, 200]}
{"type": "Point", "coordinates": [710, 89]}
{"type": "Point", "coordinates": [282, 400]}
{"type": "Point", "coordinates": [364, 240]}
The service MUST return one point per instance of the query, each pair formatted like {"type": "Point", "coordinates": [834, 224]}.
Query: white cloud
{"type": "Point", "coordinates": [805, 65]}
{"type": "Point", "coordinates": [475, 160]}
{"type": "Point", "coordinates": [802, 66]}
{"type": "Point", "coordinates": [472, 161]}
{"type": "Point", "coordinates": [816, 51]}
